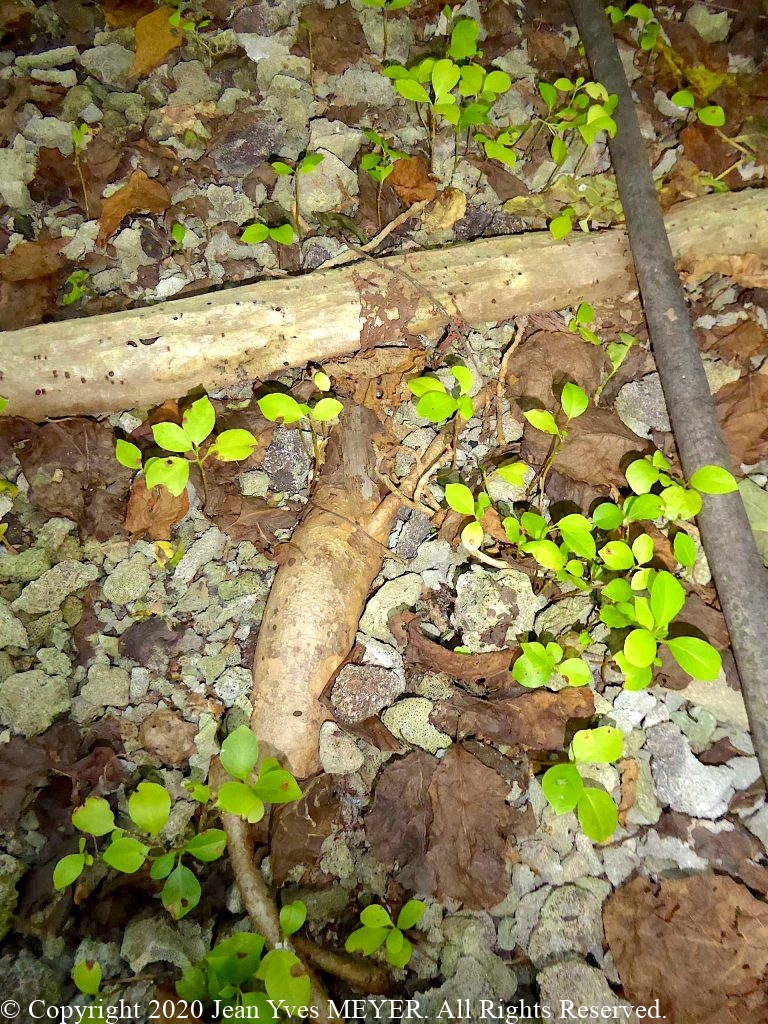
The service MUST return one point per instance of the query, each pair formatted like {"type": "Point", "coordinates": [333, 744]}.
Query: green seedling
{"type": "Point", "coordinates": [279, 406]}
{"type": "Point", "coordinates": [574, 403]}
{"type": "Point", "coordinates": [378, 929]}
{"type": "Point", "coordinates": [540, 663]}
{"type": "Point", "coordinates": [178, 234]}
{"type": "Point", "coordinates": [254, 234]}
{"type": "Point", "coordinates": [500, 148]}
{"type": "Point", "coordinates": [380, 163]}
{"type": "Point", "coordinates": [386, 7]}
{"type": "Point", "coordinates": [436, 403]}
{"type": "Point", "coordinates": [197, 425]}
{"type": "Point", "coordinates": [307, 164]}
{"type": "Point", "coordinates": [579, 108]}
{"type": "Point", "coordinates": [712, 114]}
{"type": "Point", "coordinates": [616, 350]}
{"type": "Point", "coordinates": [648, 28]}
{"type": "Point", "coordinates": [81, 136]}
{"type": "Point", "coordinates": [245, 795]}
{"type": "Point", "coordinates": [77, 287]}
{"type": "Point", "coordinates": [149, 809]}
{"type": "Point", "coordinates": [238, 976]}
{"type": "Point", "coordinates": [565, 790]}
{"type": "Point", "coordinates": [187, 24]}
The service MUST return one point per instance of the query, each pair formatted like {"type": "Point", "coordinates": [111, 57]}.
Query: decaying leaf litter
{"type": "Point", "coordinates": [113, 662]}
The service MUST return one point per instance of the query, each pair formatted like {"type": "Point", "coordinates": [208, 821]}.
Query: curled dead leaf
{"type": "Point", "coordinates": [410, 179]}
{"type": "Point", "coordinates": [139, 194]}
{"type": "Point", "coordinates": [156, 38]}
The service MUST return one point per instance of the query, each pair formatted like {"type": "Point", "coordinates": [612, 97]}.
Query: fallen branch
{"type": "Point", "coordinates": [142, 357]}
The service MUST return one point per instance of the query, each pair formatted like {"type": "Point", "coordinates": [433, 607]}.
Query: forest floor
{"type": "Point", "coordinates": [135, 155]}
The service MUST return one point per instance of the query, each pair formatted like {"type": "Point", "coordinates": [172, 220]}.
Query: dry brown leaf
{"type": "Point", "coordinates": [411, 180]}
{"type": "Point", "coordinates": [251, 518]}
{"type": "Point", "coordinates": [629, 772]}
{"type": "Point", "coordinates": [154, 512]}
{"type": "Point", "coordinates": [139, 194]}
{"type": "Point", "coordinates": [423, 653]}
{"type": "Point", "coordinates": [748, 270]}
{"type": "Point", "coordinates": [449, 206]}
{"type": "Point", "coordinates": [533, 720]}
{"type": "Point", "coordinates": [597, 445]}
{"type": "Point", "coordinates": [738, 343]}
{"type": "Point", "coordinates": [124, 13]}
{"type": "Point", "coordinates": [699, 945]}
{"type": "Point", "coordinates": [375, 378]}
{"type": "Point", "coordinates": [453, 827]}
{"type": "Point", "coordinates": [166, 735]}
{"type": "Point", "coordinates": [31, 260]}
{"type": "Point", "coordinates": [300, 829]}
{"type": "Point", "coordinates": [742, 409]}
{"type": "Point", "coordinates": [156, 38]}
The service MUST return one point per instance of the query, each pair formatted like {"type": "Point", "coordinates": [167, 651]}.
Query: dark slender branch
{"type": "Point", "coordinates": [740, 577]}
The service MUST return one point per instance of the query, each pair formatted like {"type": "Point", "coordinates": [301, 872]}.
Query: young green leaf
{"type": "Point", "coordinates": [171, 473]}
{"type": "Point", "coordinates": [172, 437]}
{"type": "Point", "coordinates": [163, 866]}
{"type": "Point", "coordinates": [713, 115]}
{"type": "Point", "coordinates": [562, 225]}
{"type": "Point", "coordinates": [713, 480]}
{"type": "Point", "coordinates": [310, 162]}
{"type": "Point", "coordinates": [68, 870]}
{"type": "Point", "coordinates": [240, 799]}
{"type": "Point", "coordinates": [322, 381]}
{"type": "Point", "coordinates": [375, 916]}
{"type": "Point", "coordinates": [695, 656]}
{"type": "Point", "coordinates": [464, 377]}
{"type": "Point", "coordinates": [86, 975]}
{"type": "Point", "coordinates": [277, 787]}
{"type": "Point", "coordinates": [464, 39]}
{"type": "Point", "coordinates": [239, 753]}
{"type": "Point", "coordinates": [546, 553]}
{"type": "Point", "coordinates": [411, 90]}
{"type": "Point", "coordinates": [642, 548]}
{"type": "Point", "coordinates": [472, 536]}
{"type": "Point", "coordinates": [292, 917]}
{"type": "Point", "coordinates": [680, 503]}
{"type": "Point", "coordinates": [576, 671]}
{"type": "Point", "coordinates": [95, 817]}
{"type": "Point", "coordinates": [607, 516]}
{"type": "Point", "coordinates": [542, 420]}
{"type": "Point", "coordinates": [617, 555]}
{"type": "Point", "coordinates": [641, 476]}
{"type": "Point", "coordinates": [150, 807]}
{"type": "Point", "coordinates": [562, 786]}
{"type": "Point", "coordinates": [233, 445]}
{"type": "Point", "coordinates": [366, 940]}
{"type": "Point", "coordinates": [436, 406]}
{"type": "Point", "coordinates": [640, 648]}
{"type": "Point", "coordinates": [399, 952]}
{"type": "Point", "coordinates": [597, 746]}
{"type": "Point", "coordinates": [411, 913]}
{"type": "Point", "coordinates": [125, 854]}
{"type": "Point", "coordinates": [460, 499]}
{"type": "Point", "coordinates": [598, 815]}
{"type": "Point", "coordinates": [514, 473]}
{"type": "Point", "coordinates": [685, 549]}
{"type": "Point", "coordinates": [128, 454]}
{"type": "Point", "coordinates": [181, 892]}
{"type": "Point", "coordinates": [667, 598]}
{"type": "Point", "coordinates": [327, 409]}
{"type": "Point", "coordinates": [279, 970]}
{"type": "Point", "coordinates": [573, 400]}
{"type": "Point", "coordinates": [419, 386]}
{"type": "Point", "coordinates": [277, 406]}
{"type": "Point", "coordinates": [254, 234]}
{"type": "Point", "coordinates": [207, 846]}
{"type": "Point", "coordinates": [283, 234]}
{"type": "Point", "coordinates": [281, 168]}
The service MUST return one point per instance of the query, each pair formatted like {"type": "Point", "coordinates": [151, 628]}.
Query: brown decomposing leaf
{"type": "Point", "coordinates": [423, 653]}
{"type": "Point", "coordinates": [32, 260]}
{"type": "Point", "coordinates": [739, 343]}
{"type": "Point", "coordinates": [166, 735]}
{"type": "Point", "coordinates": [150, 643]}
{"type": "Point", "coordinates": [535, 720]}
{"type": "Point", "coordinates": [124, 13]}
{"type": "Point", "coordinates": [300, 829]}
{"type": "Point", "coordinates": [70, 464]}
{"type": "Point", "coordinates": [449, 207]}
{"type": "Point", "coordinates": [251, 518]}
{"type": "Point", "coordinates": [629, 773]}
{"type": "Point", "coordinates": [139, 194]}
{"type": "Point", "coordinates": [375, 378]}
{"type": "Point", "coordinates": [742, 409]}
{"type": "Point", "coordinates": [156, 38]}
{"type": "Point", "coordinates": [154, 513]}
{"type": "Point", "coordinates": [699, 945]}
{"type": "Point", "coordinates": [454, 825]}
{"type": "Point", "coordinates": [338, 41]}
{"type": "Point", "coordinates": [748, 270]}
{"type": "Point", "coordinates": [597, 446]}
{"type": "Point", "coordinates": [412, 181]}
{"type": "Point", "coordinates": [27, 303]}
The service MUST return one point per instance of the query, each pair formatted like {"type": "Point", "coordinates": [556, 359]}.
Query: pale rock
{"type": "Point", "coordinates": [408, 720]}
{"type": "Point", "coordinates": [681, 781]}
{"type": "Point", "coordinates": [46, 593]}
{"type": "Point", "coordinates": [493, 608]}
{"type": "Point", "coordinates": [395, 595]}
{"type": "Point", "coordinates": [339, 754]}
{"type": "Point", "coordinates": [31, 701]}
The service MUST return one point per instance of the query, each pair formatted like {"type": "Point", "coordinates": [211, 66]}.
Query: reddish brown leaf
{"type": "Point", "coordinates": [299, 829]}
{"type": "Point", "coordinates": [156, 38]}
{"type": "Point", "coordinates": [139, 194]}
{"type": "Point", "coordinates": [423, 653]}
{"type": "Point", "coordinates": [710, 930]}
{"type": "Point", "coordinates": [31, 260]}
{"type": "Point", "coordinates": [742, 408]}
{"type": "Point", "coordinates": [166, 734]}
{"type": "Point", "coordinates": [124, 13]}
{"type": "Point", "coordinates": [596, 449]}
{"type": "Point", "coordinates": [338, 41]}
{"type": "Point", "coordinates": [535, 720]}
{"type": "Point", "coordinates": [154, 512]}
{"type": "Point", "coordinates": [151, 643]}
{"type": "Point", "coordinates": [250, 518]}
{"type": "Point", "coordinates": [411, 180]}
{"type": "Point", "coordinates": [453, 823]}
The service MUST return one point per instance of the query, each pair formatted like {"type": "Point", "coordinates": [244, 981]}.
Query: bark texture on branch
{"type": "Point", "coordinates": [118, 361]}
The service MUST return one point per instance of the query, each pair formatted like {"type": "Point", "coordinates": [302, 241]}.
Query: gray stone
{"type": "Point", "coordinates": [233, 684]}
{"type": "Point", "coordinates": [78, 99]}
{"type": "Point", "coordinates": [435, 562]}
{"type": "Point", "coordinates": [207, 549]}
{"type": "Point", "coordinates": [571, 922]}
{"type": "Point", "coordinates": [517, 931]}
{"type": "Point", "coordinates": [493, 608]}
{"type": "Point", "coordinates": [54, 662]}
{"type": "Point", "coordinates": [30, 701]}
{"type": "Point", "coordinates": [698, 726]}
{"type": "Point", "coordinates": [640, 405]}
{"type": "Point", "coordinates": [17, 169]}
{"type": "Point", "coordinates": [361, 84]}
{"type": "Point", "coordinates": [757, 824]}
{"type": "Point", "coordinates": [12, 632]}
{"type": "Point", "coordinates": [619, 862]}
{"type": "Point", "coordinates": [193, 85]}
{"type": "Point", "coordinates": [11, 871]}
{"type": "Point", "coordinates": [570, 612]}
{"type": "Point", "coordinates": [46, 593]}
{"type": "Point", "coordinates": [568, 987]}
{"type": "Point", "coordinates": [414, 531]}
{"type": "Point", "coordinates": [325, 188]}
{"type": "Point", "coordinates": [646, 809]}
{"type": "Point", "coordinates": [395, 595]}
{"type": "Point", "coordinates": [408, 720]}
{"type": "Point", "coordinates": [361, 691]}
{"type": "Point", "coordinates": [630, 708]}
{"type": "Point", "coordinates": [717, 697]}
{"type": "Point", "coordinates": [27, 976]}
{"type": "Point", "coordinates": [111, 64]}
{"type": "Point", "coordinates": [228, 205]}
{"type": "Point", "coordinates": [153, 940]}
{"type": "Point", "coordinates": [339, 754]}
{"type": "Point", "coordinates": [682, 782]}
{"type": "Point", "coordinates": [661, 853]}
{"type": "Point", "coordinates": [129, 581]}
{"type": "Point", "coordinates": [67, 79]}
{"type": "Point", "coordinates": [25, 565]}
{"type": "Point", "coordinates": [335, 137]}
{"type": "Point", "coordinates": [48, 58]}
{"type": "Point", "coordinates": [107, 686]}
{"type": "Point", "coordinates": [286, 461]}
